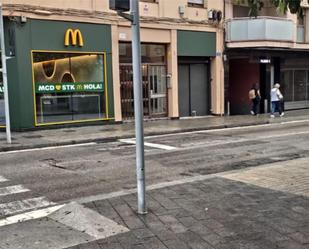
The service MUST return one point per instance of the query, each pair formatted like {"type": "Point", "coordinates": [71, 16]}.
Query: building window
{"type": "Point", "coordinates": [149, 1]}
{"type": "Point", "coordinates": [196, 3]}
{"type": "Point", "coordinates": [151, 53]}
{"type": "Point", "coordinates": [69, 87]}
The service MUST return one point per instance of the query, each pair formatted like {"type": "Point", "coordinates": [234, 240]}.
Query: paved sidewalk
{"type": "Point", "coordinates": [215, 213]}
{"type": "Point", "coordinates": [105, 133]}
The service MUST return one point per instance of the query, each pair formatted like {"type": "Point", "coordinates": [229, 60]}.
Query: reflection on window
{"type": "Point", "coordinates": [2, 110]}
{"type": "Point", "coordinates": [196, 3]}
{"type": "Point", "coordinates": [295, 85]}
{"type": "Point", "coordinates": [69, 87]}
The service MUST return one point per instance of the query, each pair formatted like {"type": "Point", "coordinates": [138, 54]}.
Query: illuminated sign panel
{"type": "Point", "coordinates": [69, 87]}
{"type": "Point", "coordinates": [72, 37]}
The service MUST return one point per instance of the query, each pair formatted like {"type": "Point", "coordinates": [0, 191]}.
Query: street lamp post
{"type": "Point", "coordinates": [138, 107]}
{"type": "Point", "coordinates": [120, 6]}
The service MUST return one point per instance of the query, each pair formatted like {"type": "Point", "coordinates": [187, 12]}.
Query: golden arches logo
{"type": "Point", "coordinates": [72, 36]}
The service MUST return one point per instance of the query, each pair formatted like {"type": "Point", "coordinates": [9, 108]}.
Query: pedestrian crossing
{"type": "Point", "coordinates": [22, 203]}
{"type": "Point", "coordinates": [2, 179]}
{"type": "Point", "coordinates": [13, 190]}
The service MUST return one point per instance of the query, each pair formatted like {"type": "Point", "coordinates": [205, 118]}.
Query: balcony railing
{"type": "Point", "coordinates": [260, 29]}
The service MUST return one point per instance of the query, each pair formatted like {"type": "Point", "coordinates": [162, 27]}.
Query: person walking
{"type": "Point", "coordinates": [255, 97]}
{"type": "Point", "coordinates": [276, 98]}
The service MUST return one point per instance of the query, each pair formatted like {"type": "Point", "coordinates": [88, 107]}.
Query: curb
{"type": "Point", "coordinates": [115, 138]}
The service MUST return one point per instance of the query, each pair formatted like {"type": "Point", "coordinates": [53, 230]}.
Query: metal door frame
{"type": "Point", "coordinates": [208, 78]}
{"type": "Point", "coordinates": [129, 114]}
{"type": "Point", "coordinates": [151, 114]}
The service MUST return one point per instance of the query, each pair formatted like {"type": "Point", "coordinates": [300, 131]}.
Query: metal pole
{"type": "Point", "coordinates": [5, 81]}
{"type": "Point", "coordinates": [228, 108]}
{"type": "Point", "coordinates": [138, 107]}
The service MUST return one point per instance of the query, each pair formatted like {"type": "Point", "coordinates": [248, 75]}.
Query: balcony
{"type": "Point", "coordinates": [261, 29]}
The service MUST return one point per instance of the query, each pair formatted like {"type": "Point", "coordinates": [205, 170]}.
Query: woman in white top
{"type": "Point", "coordinates": [276, 98]}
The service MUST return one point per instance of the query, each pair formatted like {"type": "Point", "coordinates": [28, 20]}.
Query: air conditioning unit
{"type": "Point", "coordinates": [215, 15]}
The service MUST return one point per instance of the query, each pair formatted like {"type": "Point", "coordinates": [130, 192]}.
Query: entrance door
{"type": "Point", "coordinates": [193, 90]}
{"type": "Point", "coordinates": [158, 91]}
{"type": "Point", "coordinates": [154, 91]}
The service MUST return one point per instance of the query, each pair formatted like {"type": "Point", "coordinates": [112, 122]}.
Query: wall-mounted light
{"type": "Point", "coordinates": [23, 19]}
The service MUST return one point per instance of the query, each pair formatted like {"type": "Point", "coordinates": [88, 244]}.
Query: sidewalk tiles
{"type": "Point", "coordinates": [216, 213]}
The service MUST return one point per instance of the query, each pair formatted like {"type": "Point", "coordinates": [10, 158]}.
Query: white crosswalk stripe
{"type": "Point", "coordinates": [24, 205]}
{"type": "Point", "coordinates": [23, 209]}
{"type": "Point", "coordinates": [36, 214]}
{"type": "Point", "coordinates": [3, 179]}
{"type": "Point", "coordinates": [13, 190]}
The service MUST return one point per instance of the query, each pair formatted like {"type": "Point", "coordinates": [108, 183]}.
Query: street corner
{"type": "Point", "coordinates": [216, 213]}
{"type": "Point", "coordinates": [70, 225]}
{"type": "Point", "coordinates": [87, 221]}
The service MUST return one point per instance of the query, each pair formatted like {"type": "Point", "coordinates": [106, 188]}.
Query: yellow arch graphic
{"type": "Point", "coordinates": [72, 36]}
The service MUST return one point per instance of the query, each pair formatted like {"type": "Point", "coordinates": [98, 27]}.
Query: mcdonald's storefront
{"type": "Point", "coordinates": [59, 73]}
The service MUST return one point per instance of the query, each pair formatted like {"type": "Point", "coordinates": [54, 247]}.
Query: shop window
{"type": "Point", "coordinates": [69, 87]}
{"type": "Point", "coordinates": [288, 85]}
{"type": "Point", "coordinates": [151, 53]}
{"type": "Point", "coordinates": [196, 3]}
{"type": "Point", "coordinates": [300, 84]}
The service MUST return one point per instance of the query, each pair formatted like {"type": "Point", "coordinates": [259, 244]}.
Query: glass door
{"type": "Point", "coordinates": [158, 90]}
{"type": "Point", "coordinates": [153, 88]}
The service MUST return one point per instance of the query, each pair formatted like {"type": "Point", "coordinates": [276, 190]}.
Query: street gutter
{"type": "Point", "coordinates": [12, 147]}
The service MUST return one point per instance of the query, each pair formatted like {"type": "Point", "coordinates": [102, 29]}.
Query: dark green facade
{"type": "Point", "coordinates": [195, 43]}
{"type": "Point", "coordinates": [22, 38]}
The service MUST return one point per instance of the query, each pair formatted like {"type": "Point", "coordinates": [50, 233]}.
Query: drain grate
{"type": "Point", "coordinates": [69, 131]}
{"type": "Point", "coordinates": [32, 136]}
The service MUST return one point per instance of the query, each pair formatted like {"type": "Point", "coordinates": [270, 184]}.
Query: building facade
{"type": "Point", "coordinates": [74, 64]}
{"type": "Point", "coordinates": [271, 48]}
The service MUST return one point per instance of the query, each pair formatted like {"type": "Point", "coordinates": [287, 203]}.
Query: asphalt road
{"type": "Point", "coordinates": [44, 177]}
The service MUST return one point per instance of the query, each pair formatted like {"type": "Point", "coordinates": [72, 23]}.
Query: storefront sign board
{"type": "Point", "coordinates": [69, 87]}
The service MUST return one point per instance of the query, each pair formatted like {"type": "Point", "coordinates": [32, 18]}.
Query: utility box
{"type": "Point", "coordinates": [119, 5]}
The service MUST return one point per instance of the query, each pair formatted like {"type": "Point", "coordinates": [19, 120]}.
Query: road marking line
{"type": "Point", "coordinates": [170, 183]}
{"type": "Point", "coordinates": [284, 135]}
{"type": "Point", "coordinates": [295, 121]}
{"type": "Point", "coordinates": [209, 131]}
{"type": "Point", "coordinates": [157, 146]}
{"type": "Point", "coordinates": [48, 148]}
{"type": "Point", "coordinates": [149, 187]}
{"type": "Point", "coordinates": [29, 216]}
{"type": "Point", "coordinates": [3, 179]}
{"type": "Point", "coordinates": [12, 190]}
{"type": "Point", "coordinates": [24, 205]}
{"type": "Point", "coordinates": [87, 221]}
